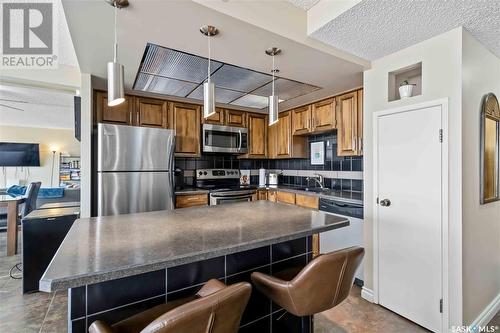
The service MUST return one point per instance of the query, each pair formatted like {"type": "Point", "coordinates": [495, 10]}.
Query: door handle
{"type": "Point", "coordinates": [385, 203]}
{"type": "Point", "coordinates": [241, 137]}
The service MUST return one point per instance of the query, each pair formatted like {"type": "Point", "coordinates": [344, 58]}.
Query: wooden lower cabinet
{"type": "Point", "coordinates": [307, 201]}
{"type": "Point", "coordinates": [271, 195]}
{"type": "Point", "coordinates": [191, 200]}
{"type": "Point", "coordinates": [150, 112]}
{"type": "Point", "coordinates": [315, 245]}
{"type": "Point", "coordinates": [285, 197]}
{"type": "Point", "coordinates": [121, 114]}
{"type": "Point", "coordinates": [185, 120]}
{"type": "Point", "coordinates": [261, 194]}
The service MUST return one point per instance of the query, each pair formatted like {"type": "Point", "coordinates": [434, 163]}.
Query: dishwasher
{"type": "Point", "coordinates": [351, 235]}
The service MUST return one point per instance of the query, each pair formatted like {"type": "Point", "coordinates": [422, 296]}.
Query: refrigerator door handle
{"type": "Point", "coordinates": [171, 169]}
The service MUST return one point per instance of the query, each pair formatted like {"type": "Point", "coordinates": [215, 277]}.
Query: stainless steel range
{"type": "Point", "coordinates": [224, 186]}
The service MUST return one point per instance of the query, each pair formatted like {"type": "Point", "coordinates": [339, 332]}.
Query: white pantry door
{"type": "Point", "coordinates": [409, 227]}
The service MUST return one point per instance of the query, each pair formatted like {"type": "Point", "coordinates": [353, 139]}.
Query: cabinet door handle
{"type": "Point", "coordinates": [137, 117]}
{"type": "Point", "coordinates": [130, 117]}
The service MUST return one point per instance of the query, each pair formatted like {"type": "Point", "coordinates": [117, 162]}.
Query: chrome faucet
{"type": "Point", "coordinates": [317, 178]}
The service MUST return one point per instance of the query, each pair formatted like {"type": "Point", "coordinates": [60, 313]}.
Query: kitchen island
{"type": "Point", "coordinates": [119, 265]}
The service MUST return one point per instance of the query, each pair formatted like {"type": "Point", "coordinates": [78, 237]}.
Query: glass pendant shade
{"type": "Point", "coordinates": [273, 109]}
{"type": "Point", "coordinates": [208, 99]}
{"type": "Point", "coordinates": [116, 92]}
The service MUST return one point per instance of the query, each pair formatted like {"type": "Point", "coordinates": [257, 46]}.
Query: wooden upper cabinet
{"type": "Point", "coordinates": [150, 112]}
{"type": "Point", "coordinates": [235, 118]}
{"type": "Point", "coordinates": [185, 120]}
{"type": "Point", "coordinates": [217, 118]}
{"type": "Point", "coordinates": [360, 123]}
{"type": "Point", "coordinates": [257, 130]}
{"type": "Point", "coordinates": [284, 134]}
{"type": "Point", "coordinates": [272, 142]}
{"type": "Point", "coordinates": [347, 115]}
{"type": "Point", "coordinates": [301, 120]}
{"type": "Point", "coordinates": [323, 115]}
{"type": "Point", "coordinates": [120, 114]}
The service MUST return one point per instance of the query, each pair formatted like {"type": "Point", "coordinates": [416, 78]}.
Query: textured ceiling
{"type": "Point", "coordinates": [373, 29]}
{"type": "Point", "coordinates": [304, 4]}
{"type": "Point", "coordinates": [39, 107]}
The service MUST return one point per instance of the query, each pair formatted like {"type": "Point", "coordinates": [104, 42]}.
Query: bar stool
{"type": "Point", "coordinates": [216, 308]}
{"type": "Point", "coordinates": [321, 285]}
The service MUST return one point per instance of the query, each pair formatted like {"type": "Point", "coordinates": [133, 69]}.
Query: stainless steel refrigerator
{"type": "Point", "coordinates": [134, 169]}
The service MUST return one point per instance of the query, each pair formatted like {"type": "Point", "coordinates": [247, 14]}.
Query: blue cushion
{"type": "Point", "coordinates": [52, 192]}
{"type": "Point", "coordinates": [44, 193]}
{"type": "Point", "coordinates": [16, 190]}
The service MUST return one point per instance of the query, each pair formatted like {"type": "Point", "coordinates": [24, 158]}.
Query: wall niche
{"type": "Point", "coordinates": [412, 74]}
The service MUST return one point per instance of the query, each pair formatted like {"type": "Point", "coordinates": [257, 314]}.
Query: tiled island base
{"type": "Point", "coordinates": [115, 300]}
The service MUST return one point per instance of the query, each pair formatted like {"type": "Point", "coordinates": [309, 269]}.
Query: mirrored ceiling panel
{"type": "Point", "coordinates": [240, 79]}
{"type": "Point", "coordinates": [223, 96]}
{"type": "Point", "coordinates": [251, 101]}
{"type": "Point", "coordinates": [176, 65]}
{"type": "Point", "coordinates": [163, 85]}
{"type": "Point", "coordinates": [176, 73]}
{"type": "Point", "coordinates": [286, 89]}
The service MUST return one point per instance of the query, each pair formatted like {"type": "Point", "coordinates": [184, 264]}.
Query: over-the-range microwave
{"type": "Point", "coordinates": [224, 139]}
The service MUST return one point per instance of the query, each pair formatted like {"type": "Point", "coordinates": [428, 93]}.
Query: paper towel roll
{"type": "Point", "coordinates": [262, 177]}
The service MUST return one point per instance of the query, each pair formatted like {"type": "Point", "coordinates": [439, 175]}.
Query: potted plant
{"type": "Point", "coordinates": [406, 89]}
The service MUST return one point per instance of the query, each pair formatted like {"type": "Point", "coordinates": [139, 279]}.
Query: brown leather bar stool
{"type": "Point", "coordinates": [322, 284]}
{"type": "Point", "coordinates": [216, 308]}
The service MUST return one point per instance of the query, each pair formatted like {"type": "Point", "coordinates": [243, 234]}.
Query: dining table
{"type": "Point", "coordinates": [12, 203]}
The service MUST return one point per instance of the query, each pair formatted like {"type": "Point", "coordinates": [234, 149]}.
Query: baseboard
{"type": "Point", "coordinates": [488, 313]}
{"type": "Point", "coordinates": [367, 294]}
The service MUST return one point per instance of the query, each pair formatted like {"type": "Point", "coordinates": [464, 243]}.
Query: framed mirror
{"type": "Point", "coordinates": [489, 149]}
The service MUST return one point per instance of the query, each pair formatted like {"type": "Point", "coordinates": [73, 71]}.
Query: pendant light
{"type": "Point", "coordinates": [273, 99]}
{"type": "Point", "coordinates": [209, 86]}
{"type": "Point", "coordinates": [116, 93]}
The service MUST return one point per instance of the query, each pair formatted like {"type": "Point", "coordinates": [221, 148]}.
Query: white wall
{"type": "Point", "coordinates": [481, 223]}
{"type": "Point", "coordinates": [47, 138]}
{"type": "Point", "coordinates": [441, 78]}
{"type": "Point", "coordinates": [86, 160]}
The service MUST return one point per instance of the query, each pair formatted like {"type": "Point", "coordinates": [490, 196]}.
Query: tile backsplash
{"type": "Point", "coordinates": [332, 163]}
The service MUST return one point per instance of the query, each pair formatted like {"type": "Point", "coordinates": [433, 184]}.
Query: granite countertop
{"type": "Point", "coordinates": [107, 248]}
{"type": "Point", "coordinates": [52, 212]}
{"type": "Point", "coordinates": [345, 196]}
{"type": "Point", "coordinates": [191, 190]}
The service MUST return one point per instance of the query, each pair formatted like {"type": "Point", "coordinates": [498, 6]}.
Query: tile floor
{"type": "Point", "coordinates": [43, 312]}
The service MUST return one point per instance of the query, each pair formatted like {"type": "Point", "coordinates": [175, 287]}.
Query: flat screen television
{"type": "Point", "coordinates": [19, 154]}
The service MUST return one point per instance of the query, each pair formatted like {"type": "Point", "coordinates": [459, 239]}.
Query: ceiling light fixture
{"type": "Point", "coordinates": [116, 92]}
{"type": "Point", "coordinates": [273, 99]}
{"type": "Point", "coordinates": [209, 86]}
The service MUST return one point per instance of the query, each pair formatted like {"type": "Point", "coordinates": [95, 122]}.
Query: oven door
{"type": "Point", "coordinates": [221, 198]}
{"type": "Point", "coordinates": [224, 139]}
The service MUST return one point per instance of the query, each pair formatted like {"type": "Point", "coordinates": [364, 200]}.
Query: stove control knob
{"type": "Point", "coordinates": [205, 173]}
{"type": "Point", "coordinates": [200, 173]}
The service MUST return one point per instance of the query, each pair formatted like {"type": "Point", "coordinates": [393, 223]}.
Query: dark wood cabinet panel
{"type": "Point", "coordinates": [151, 112]}
{"type": "Point", "coordinates": [120, 114]}
{"type": "Point", "coordinates": [323, 115]}
{"type": "Point", "coordinates": [235, 118]}
{"type": "Point", "coordinates": [347, 115]}
{"type": "Point", "coordinates": [185, 120]}
{"type": "Point", "coordinates": [301, 120]}
{"type": "Point", "coordinates": [257, 131]}
{"type": "Point", "coordinates": [217, 119]}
